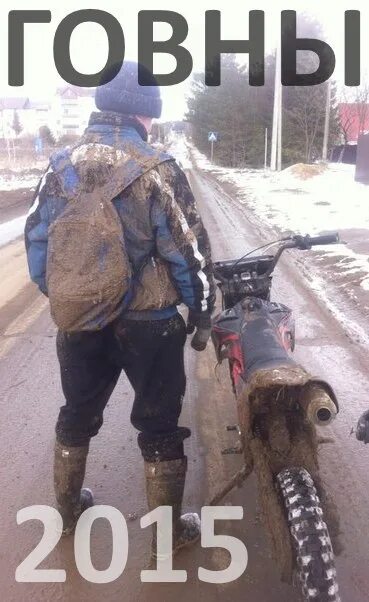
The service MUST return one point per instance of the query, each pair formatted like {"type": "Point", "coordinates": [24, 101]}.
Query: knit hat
{"type": "Point", "coordinates": [124, 94]}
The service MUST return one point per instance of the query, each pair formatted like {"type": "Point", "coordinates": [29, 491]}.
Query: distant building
{"type": "Point", "coordinates": [38, 114]}
{"type": "Point", "coordinates": [66, 113]}
{"type": "Point", "coordinates": [72, 107]}
{"type": "Point", "coordinates": [354, 121]}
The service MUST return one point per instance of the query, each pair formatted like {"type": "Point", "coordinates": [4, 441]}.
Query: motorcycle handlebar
{"type": "Point", "coordinates": [328, 239]}
{"type": "Point", "coordinates": [303, 243]}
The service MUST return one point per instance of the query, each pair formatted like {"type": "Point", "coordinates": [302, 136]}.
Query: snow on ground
{"type": "Point", "coordinates": [13, 181]}
{"type": "Point", "coordinates": [180, 149]}
{"type": "Point", "coordinates": [327, 202]}
{"type": "Point", "coordinates": [11, 230]}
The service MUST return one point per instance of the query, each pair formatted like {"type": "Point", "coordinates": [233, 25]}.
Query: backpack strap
{"type": "Point", "coordinates": [66, 173]}
{"type": "Point", "coordinates": [71, 183]}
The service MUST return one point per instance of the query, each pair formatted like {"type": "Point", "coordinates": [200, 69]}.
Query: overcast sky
{"type": "Point", "coordinates": [89, 43]}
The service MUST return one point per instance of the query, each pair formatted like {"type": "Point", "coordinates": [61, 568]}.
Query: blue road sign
{"type": "Point", "coordinates": [38, 145]}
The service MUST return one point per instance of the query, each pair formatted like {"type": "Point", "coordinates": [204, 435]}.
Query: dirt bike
{"type": "Point", "coordinates": [279, 404]}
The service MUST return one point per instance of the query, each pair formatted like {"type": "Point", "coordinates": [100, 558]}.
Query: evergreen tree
{"type": "Point", "coordinates": [16, 125]}
{"type": "Point", "coordinates": [241, 113]}
{"type": "Point", "coordinates": [46, 135]}
{"type": "Point", "coordinates": [236, 111]}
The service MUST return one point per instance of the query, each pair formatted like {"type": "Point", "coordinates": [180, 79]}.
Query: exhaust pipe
{"type": "Point", "coordinates": [318, 406]}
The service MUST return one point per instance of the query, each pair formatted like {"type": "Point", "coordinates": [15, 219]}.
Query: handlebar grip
{"type": "Point", "coordinates": [327, 239]}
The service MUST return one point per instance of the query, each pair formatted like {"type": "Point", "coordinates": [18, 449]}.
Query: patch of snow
{"type": "Point", "coordinates": [14, 182]}
{"type": "Point", "coordinates": [180, 150]}
{"type": "Point", "coordinates": [328, 201]}
{"type": "Point", "coordinates": [352, 327]}
{"type": "Point", "coordinates": [11, 230]}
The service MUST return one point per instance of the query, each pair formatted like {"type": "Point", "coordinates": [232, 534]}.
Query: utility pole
{"type": "Point", "coordinates": [279, 153]}
{"type": "Point", "coordinates": [273, 155]}
{"type": "Point", "coordinates": [276, 152]}
{"type": "Point", "coordinates": [326, 122]}
{"type": "Point", "coordinates": [266, 149]}
{"type": "Point", "coordinates": [212, 137]}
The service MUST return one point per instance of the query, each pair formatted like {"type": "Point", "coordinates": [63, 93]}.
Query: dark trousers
{"type": "Point", "coordinates": [151, 355]}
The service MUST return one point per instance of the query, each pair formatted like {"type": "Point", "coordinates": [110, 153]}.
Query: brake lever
{"type": "Point", "coordinates": [302, 242]}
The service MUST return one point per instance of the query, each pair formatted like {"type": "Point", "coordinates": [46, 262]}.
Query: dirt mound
{"type": "Point", "coordinates": [304, 171]}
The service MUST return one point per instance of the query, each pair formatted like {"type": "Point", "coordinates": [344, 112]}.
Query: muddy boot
{"type": "Point", "coordinates": [69, 473]}
{"type": "Point", "coordinates": [164, 486]}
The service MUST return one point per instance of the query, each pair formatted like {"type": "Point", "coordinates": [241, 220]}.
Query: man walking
{"type": "Point", "coordinates": [170, 262]}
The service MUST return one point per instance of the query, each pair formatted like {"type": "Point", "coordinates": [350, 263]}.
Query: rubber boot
{"type": "Point", "coordinates": [165, 483]}
{"type": "Point", "coordinates": [69, 473]}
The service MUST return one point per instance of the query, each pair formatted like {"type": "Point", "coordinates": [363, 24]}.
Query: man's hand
{"type": "Point", "coordinates": [201, 322]}
{"type": "Point", "coordinates": [362, 430]}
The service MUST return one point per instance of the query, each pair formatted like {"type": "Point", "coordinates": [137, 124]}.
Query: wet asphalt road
{"type": "Point", "coordinates": [31, 395]}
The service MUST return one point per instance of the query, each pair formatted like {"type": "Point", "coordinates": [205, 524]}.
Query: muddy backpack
{"type": "Point", "coordinates": [88, 271]}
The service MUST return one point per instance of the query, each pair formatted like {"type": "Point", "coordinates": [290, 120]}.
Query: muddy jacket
{"type": "Point", "coordinates": [166, 242]}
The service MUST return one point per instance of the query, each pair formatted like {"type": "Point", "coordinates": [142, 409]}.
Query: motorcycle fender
{"type": "Point", "coordinates": [285, 378]}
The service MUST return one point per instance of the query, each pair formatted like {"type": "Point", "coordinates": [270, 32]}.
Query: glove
{"type": "Point", "coordinates": [362, 429]}
{"type": "Point", "coordinates": [201, 322]}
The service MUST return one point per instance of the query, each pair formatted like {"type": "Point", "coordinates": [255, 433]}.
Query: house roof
{"type": "Point", "coordinates": [70, 91]}
{"type": "Point", "coordinates": [39, 104]}
{"type": "Point", "coordinates": [16, 103]}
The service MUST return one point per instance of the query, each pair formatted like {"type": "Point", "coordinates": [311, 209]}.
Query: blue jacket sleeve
{"type": "Point", "coordinates": [182, 240]}
{"type": "Point", "coordinates": [35, 235]}
{"type": "Point", "coordinates": [46, 206]}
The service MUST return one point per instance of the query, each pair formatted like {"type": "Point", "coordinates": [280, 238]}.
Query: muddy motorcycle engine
{"type": "Point", "coordinates": [253, 335]}
{"type": "Point", "coordinates": [256, 337]}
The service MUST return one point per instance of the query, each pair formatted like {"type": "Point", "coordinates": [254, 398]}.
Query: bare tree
{"type": "Point", "coordinates": [346, 117]}
{"type": "Point", "coordinates": [354, 110]}
{"type": "Point", "coordinates": [362, 106]}
{"type": "Point", "coordinates": [304, 108]}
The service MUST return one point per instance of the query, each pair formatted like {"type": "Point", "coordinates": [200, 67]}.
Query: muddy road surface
{"type": "Point", "coordinates": [31, 396]}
